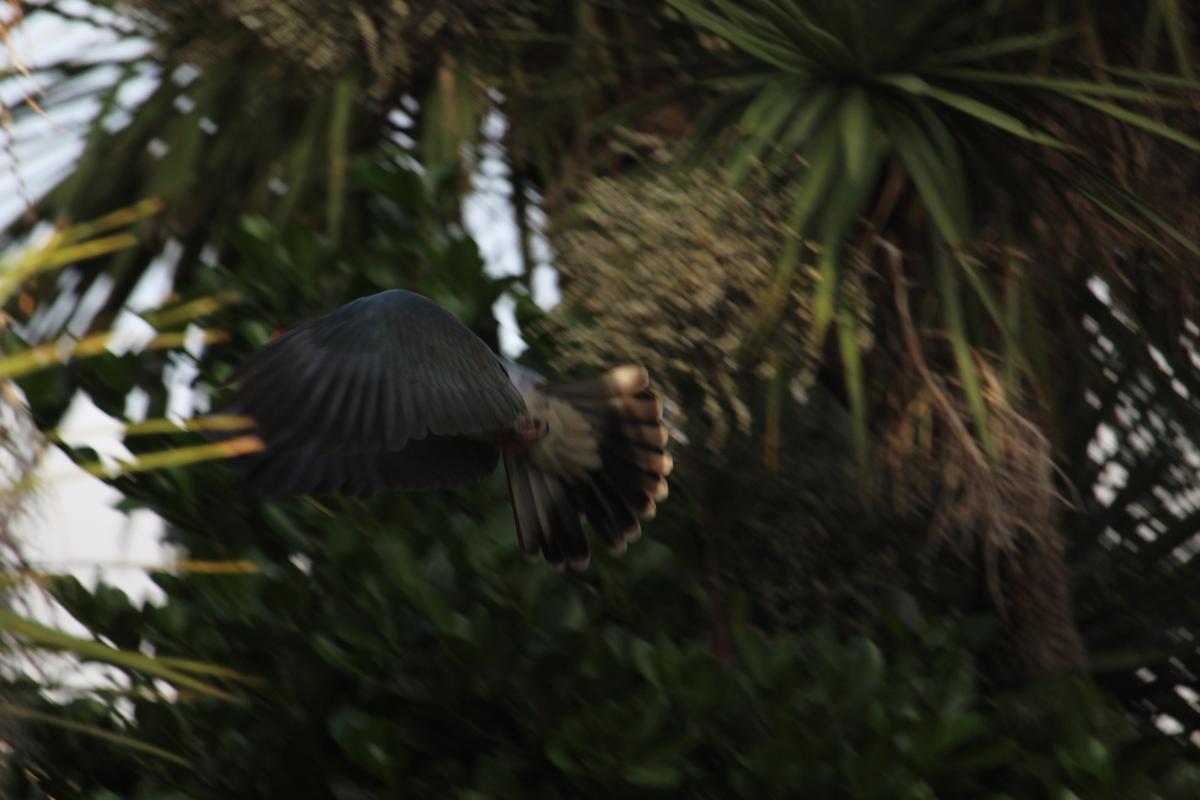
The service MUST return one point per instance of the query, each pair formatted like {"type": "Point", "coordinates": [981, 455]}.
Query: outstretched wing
{"type": "Point", "coordinates": [435, 462]}
{"type": "Point", "coordinates": [373, 376]}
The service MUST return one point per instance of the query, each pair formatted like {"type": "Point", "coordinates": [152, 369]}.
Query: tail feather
{"type": "Point", "coordinates": [638, 486]}
{"type": "Point", "coordinates": [610, 517]}
{"type": "Point", "coordinates": [552, 540]}
{"type": "Point", "coordinates": [618, 484]}
{"type": "Point", "coordinates": [545, 516]}
{"type": "Point", "coordinates": [525, 513]}
{"type": "Point", "coordinates": [654, 461]}
{"type": "Point", "coordinates": [624, 419]}
{"type": "Point", "coordinates": [565, 529]}
{"type": "Point", "coordinates": [634, 432]}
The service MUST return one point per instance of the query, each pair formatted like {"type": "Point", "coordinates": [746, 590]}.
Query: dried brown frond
{"type": "Point", "coordinates": [1002, 506]}
{"type": "Point", "coordinates": [1083, 238]}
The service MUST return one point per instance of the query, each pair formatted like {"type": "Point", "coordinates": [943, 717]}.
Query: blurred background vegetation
{"type": "Point", "coordinates": [916, 279]}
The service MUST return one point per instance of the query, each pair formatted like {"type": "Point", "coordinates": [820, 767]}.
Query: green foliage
{"type": "Point", "coordinates": [417, 654]}
{"type": "Point", "coordinates": [25, 636]}
{"type": "Point", "coordinates": [402, 646]}
{"type": "Point", "coordinates": [980, 107]}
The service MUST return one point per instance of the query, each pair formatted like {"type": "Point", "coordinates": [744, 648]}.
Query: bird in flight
{"type": "Point", "coordinates": [392, 392]}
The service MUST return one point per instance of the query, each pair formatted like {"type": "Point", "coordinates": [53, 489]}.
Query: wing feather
{"type": "Point", "coordinates": [374, 374]}
{"type": "Point", "coordinates": [436, 462]}
{"type": "Point", "coordinates": [525, 517]}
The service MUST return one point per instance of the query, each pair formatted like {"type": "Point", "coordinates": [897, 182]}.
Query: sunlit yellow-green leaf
{"type": "Point", "coordinates": [212, 423]}
{"type": "Point", "coordinates": [10, 710]}
{"type": "Point", "coordinates": [177, 457]}
{"type": "Point", "coordinates": [45, 574]}
{"type": "Point", "coordinates": [92, 650]}
{"type": "Point", "coordinates": [68, 246]}
{"type": "Point", "coordinates": [117, 219]}
{"type": "Point", "coordinates": [194, 309]}
{"type": "Point", "coordinates": [61, 352]}
{"type": "Point", "coordinates": [239, 566]}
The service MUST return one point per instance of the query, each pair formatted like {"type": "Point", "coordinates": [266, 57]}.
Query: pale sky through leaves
{"type": "Point", "coordinates": [74, 527]}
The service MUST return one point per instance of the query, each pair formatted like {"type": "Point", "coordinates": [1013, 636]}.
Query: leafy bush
{"type": "Point", "coordinates": [402, 646]}
{"type": "Point", "coordinates": [406, 650]}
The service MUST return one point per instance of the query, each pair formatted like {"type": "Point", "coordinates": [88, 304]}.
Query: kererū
{"type": "Point", "coordinates": [392, 392]}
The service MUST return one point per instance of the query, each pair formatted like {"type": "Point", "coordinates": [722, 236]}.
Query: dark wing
{"type": "Point", "coordinates": [436, 462]}
{"type": "Point", "coordinates": [374, 375]}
